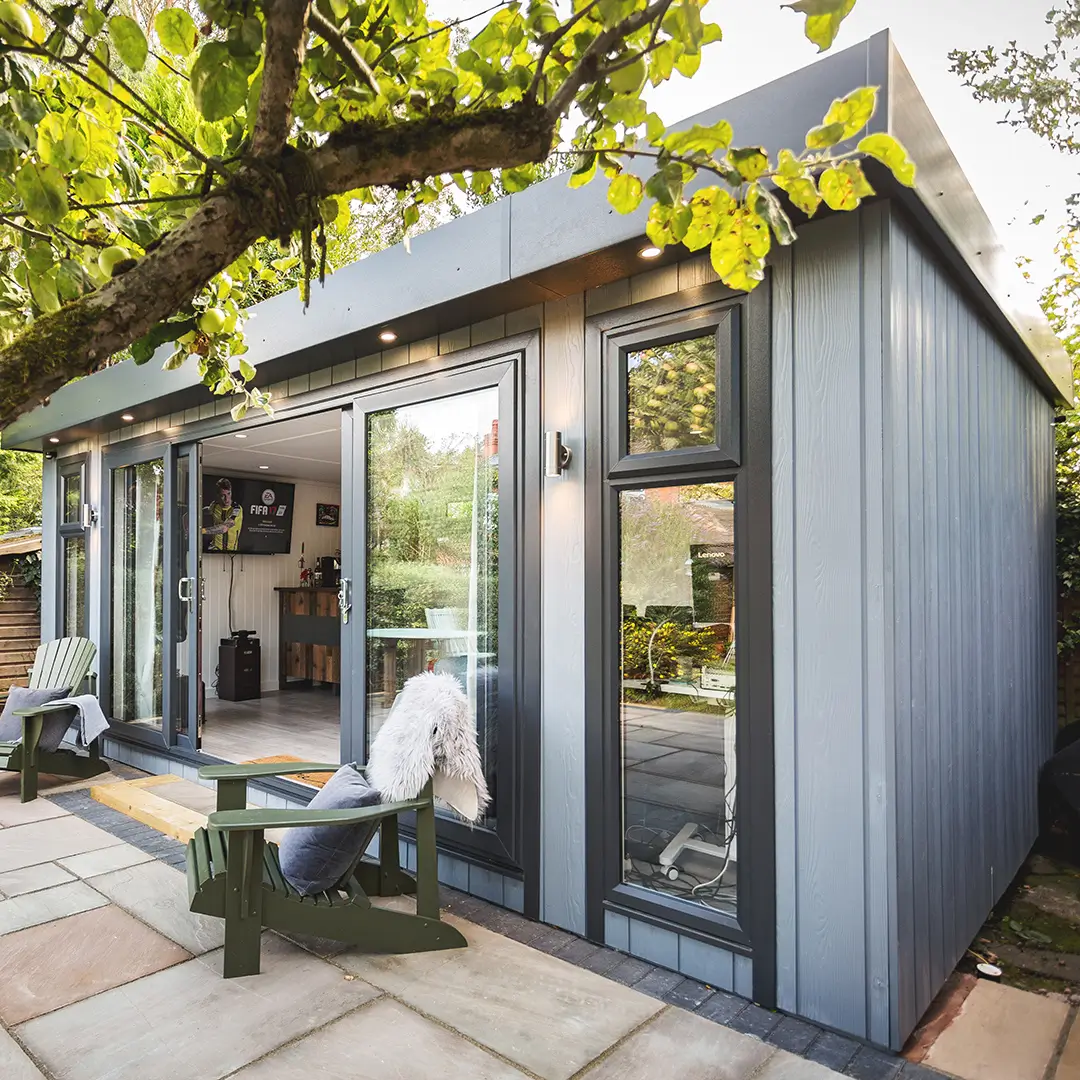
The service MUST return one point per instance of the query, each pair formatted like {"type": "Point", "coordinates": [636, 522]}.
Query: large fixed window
{"type": "Point", "coordinates": [136, 594]}
{"type": "Point", "coordinates": [677, 692]}
{"type": "Point", "coordinates": [679, 723]}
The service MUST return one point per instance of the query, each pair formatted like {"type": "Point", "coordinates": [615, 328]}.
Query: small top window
{"type": "Point", "coordinates": [72, 496]}
{"type": "Point", "coordinates": [675, 401]}
{"type": "Point", "coordinates": [671, 395]}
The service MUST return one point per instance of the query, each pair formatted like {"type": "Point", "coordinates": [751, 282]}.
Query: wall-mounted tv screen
{"type": "Point", "coordinates": [246, 516]}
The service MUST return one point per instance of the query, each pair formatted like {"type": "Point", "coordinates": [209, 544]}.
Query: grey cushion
{"type": "Point", "coordinates": [318, 858]}
{"type": "Point", "coordinates": [53, 727]}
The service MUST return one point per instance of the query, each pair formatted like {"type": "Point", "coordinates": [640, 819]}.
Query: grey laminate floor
{"type": "Point", "coordinates": [300, 723]}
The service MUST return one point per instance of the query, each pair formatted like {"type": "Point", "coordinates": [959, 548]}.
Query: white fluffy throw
{"type": "Point", "coordinates": [430, 734]}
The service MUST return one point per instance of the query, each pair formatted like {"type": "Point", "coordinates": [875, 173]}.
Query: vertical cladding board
{"type": "Point", "coordinates": [562, 688]}
{"type": "Point", "coordinates": [971, 515]}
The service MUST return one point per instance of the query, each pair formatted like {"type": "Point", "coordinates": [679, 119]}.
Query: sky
{"type": "Point", "coordinates": [1014, 174]}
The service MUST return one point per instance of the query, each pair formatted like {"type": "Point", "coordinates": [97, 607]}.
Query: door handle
{"type": "Point", "coordinates": [185, 590]}
{"type": "Point", "coordinates": [344, 598]}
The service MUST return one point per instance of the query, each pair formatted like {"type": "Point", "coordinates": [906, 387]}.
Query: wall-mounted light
{"type": "Point", "coordinates": [127, 417]}
{"type": "Point", "coordinates": [264, 466]}
{"type": "Point", "coordinates": [53, 439]}
{"type": "Point", "coordinates": [556, 456]}
{"type": "Point", "coordinates": [240, 435]}
{"type": "Point", "coordinates": [387, 337]}
{"type": "Point", "coordinates": [650, 252]}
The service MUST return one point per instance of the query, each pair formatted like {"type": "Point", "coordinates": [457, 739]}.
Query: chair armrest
{"type": "Point", "coordinates": [246, 820]}
{"type": "Point", "coordinates": [51, 707]}
{"type": "Point", "coordinates": [272, 768]}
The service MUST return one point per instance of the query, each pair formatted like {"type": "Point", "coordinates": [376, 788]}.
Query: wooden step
{"type": "Point", "coordinates": [19, 607]}
{"type": "Point", "coordinates": [18, 618]}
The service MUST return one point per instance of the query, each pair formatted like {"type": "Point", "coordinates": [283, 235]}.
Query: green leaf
{"type": "Point", "coordinates": [627, 109]}
{"type": "Point", "coordinates": [666, 184]}
{"type": "Point", "coordinates": [739, 250]}
{"type": "Point", "coordinates": [411, 215]}
{"type": "Point", "coordinates": [584, 172]}
{"type": "Point", "coordinates": [823, 19]}
{"type": "Point", "coordinates": [238, 412]}
{"type": "Point", "coordinates": [768, 206]}
{"type": "Point", "coordinates": [890, 152]}
{"type": "Point", "coordinates": [43, 290]}
{"type": "Point", "coordinates": [92, 19]}
{"type": "Point", "coordinates": [43, 192]}
{"type": "Point", "coordinates": [698, 138]}
{"type": "Point", "coordinates": [518, 179]}
{"type": "Point", "coordinates": [129, 41]}
{"type": "Point", "coordinates": [667, 224]}
{"type": "Point", "coordinates": [707, 208]}
{"type": "Point", "coordinates": [247, 371]}
{"type": "Point", "coordinates": [72, 280]}
{"type": "Point", "coordinates": [751, 161]}
{"type": "Point", "coordinates": [147, 345]}
{"type": "Point", "coordinates": [827, 135]}
{"type": "Point", "coordinates": [10, 139]}
{"type": "Point", "coordinates": [844, 187]}
{"type": "Point", "coordinates": [176, 31]}
{"type": "Point", "coordinates": [853, 111]}
{"type": "Point", "coordinates": [60, 142]}
{"type": "Point", "coordinates": [625, 192]}
{"type": "Point", "coordinates": [218, 85]}
{"type": "Point", "coordinates": [209, 139]}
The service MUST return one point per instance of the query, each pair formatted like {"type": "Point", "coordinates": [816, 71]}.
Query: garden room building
{"type": "Point", "coordinates": [763, 669]}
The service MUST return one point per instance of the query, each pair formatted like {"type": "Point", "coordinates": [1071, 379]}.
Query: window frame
{"type": "Point", "coordinates": [743, 458]}
{"type": "Point", "coordinates": [76, 465]}
{"type": "Point", "coordinates": [724, 320]}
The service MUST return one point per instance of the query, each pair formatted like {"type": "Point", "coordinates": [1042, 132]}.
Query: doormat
{"type": "Point", "coordinates": [311, 779]}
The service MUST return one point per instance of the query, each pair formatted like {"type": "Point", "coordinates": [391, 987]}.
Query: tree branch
{"type": "Point", "coordinates": [343, 47]}
{"type": "Point", "coordinates": [286, 27]}
{"type": "Point", "coordinates": [82, 336]}
{"type": "Point", "coordinates": [588, 67]}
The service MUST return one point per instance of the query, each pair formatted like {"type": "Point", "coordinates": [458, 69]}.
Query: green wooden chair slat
{"type": "Point", "coordinates": [65, 662]}
{"type": "Point", "coordinates": [235, 874]}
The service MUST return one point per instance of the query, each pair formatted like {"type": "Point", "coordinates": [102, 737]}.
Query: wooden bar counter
{"type": "Point", "coordinates": [309, 634]}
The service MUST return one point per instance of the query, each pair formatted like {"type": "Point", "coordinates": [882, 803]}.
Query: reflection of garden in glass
{"type": "Point", "coordinates": [433, 550]}
{"type": "Point", "coordinates": [137, 567]}
{"type": "Point", "coordinates": [677, 690]}
{"type": "Point", "coordinates": [671, 392]}
{"type": "Point", "coordinates": [74, 586]}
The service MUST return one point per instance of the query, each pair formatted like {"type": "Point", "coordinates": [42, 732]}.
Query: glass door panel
{"type": "Point", "coordinates": [136, 593]}
{"type": "Point", "coordinates": [186, 585]}
{"type": "Point", "coordinates": [433, 556]}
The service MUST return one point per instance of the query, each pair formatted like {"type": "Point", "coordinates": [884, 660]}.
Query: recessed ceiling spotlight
{"type": "Point", "coordinates": [240, 435]}
{"type": "Point", "coordinates": [53, 439]}
{"type": "Point", "coordinates": [650, 252]}
{"type": "Point", "coordinates": [264, 466]}
{"type": "Point", "coordinates": [128, 417]}
{"type": "Point", "coordinates": [387, 336]}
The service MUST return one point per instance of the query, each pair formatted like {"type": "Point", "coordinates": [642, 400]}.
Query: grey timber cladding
{"type": "Point", "coordinates": [969, 482]}
{"type": "Point", "coordinates": [913, 621]}
{"type": "Point", "coordinates": [831, 828]}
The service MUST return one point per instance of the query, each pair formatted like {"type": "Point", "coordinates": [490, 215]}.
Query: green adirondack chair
{"type": "Point", "coordinates": [64, 662]}
{"type": "Point", "coordinates": [234, 873]}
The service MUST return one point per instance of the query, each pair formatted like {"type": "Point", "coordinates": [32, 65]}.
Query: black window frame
{"type": "Point", "coordinates": [743, 458]}
{"type": "Point", "coordinates": [76, 465]}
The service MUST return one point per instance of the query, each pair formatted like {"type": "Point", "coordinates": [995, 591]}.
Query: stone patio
{"type": "Point", "coordinates": [107, 976]}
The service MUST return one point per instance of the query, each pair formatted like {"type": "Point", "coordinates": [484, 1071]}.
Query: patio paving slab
{"type": "Point", "coordinates": [157, 894]}
{"type": "Point", "coordinates": [677, 1043]}
{"type": "Point", "coordinates": [49, 904]}
{"type": "Point", "coordinates": [13, 812]}
{"type": "Point", "coordinates": [32, 879]}
{"type": "Point", "coordinates": [14, 1064]}
{"type": "Point", "coordinates": [188, 1023]}
{"type": "Point", "coordinates": [785, 1066]}
{"type": "Point", "coordinates": [533, 1009]}
{"type": "Point", "coordinates": [382, 1041]}
{"type": "Point", "coordinates": [52, 965]}
{"type": "Point", "coordinates": [1000, 1033]}
{"type": "Point", "coordinates": [104, 861]}
{"type": "Point", "coordinates": [47, 841]}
